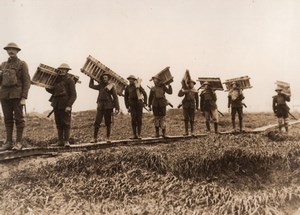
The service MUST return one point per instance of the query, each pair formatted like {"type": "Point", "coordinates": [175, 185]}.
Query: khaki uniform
{"type": "Point", "coordinates": [235, 98]}
{"type": "Point", "coordinates": [11, 96]}
{"type": "Point", "coordinates": [281, 110]}
{"type": "Point", "coordinates": [209, 107]}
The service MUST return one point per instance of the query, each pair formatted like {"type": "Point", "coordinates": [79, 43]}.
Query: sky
{"type": "Point", "coordinates": [211, 38]}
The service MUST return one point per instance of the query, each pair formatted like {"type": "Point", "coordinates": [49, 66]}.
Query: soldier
{"type": "Point", "coordinates": [107, 100]}
{"type": "Point", "coordinates": [158, 102]}
{"type": "Point", "coordinates": [63, 97]}
{"type": "Point", "coordinates": [281, 109]}
{"type": "Point", "coordinates": [235, 98]}
{"type": "Point", "coordinates": [15, 84]}
{"type": "Point", "coordinates": [190, 103]}
{"type": "Point", "coordinates": [208, 106]}
{"type": "Point", "coordinates": [135, 99]}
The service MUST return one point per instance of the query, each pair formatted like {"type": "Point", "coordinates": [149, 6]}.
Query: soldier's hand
{"type": "Point", "coordinates": [117, 111]}
{"type": "Point", "coordinates": [23, 101]}
{"type": "Point", "coordinates": [68, 109]}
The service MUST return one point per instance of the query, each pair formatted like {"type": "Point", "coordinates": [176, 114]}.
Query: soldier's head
{"type": "Point", "coordinates": [105, 78]}
{"type": "Point", "coordinates": [131, 79]}
{"type": "Point", "coordinates": [156, 80]}
{"type": "Point", "coordinates": [234, 85]}
{"type": "Point", "coordinates": [12, 49]}
{"type": "Point", "coordinates": [206, 85]}
{"type": "Point", "coordinates": [63, 69]}
{"type": "Point", "coordinates": [278, 89]}
{"type": "Point", "coordinates": [191, 83]}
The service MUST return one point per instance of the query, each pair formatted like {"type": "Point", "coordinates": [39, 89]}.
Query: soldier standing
{"type": "Point", "coordinates": [107, 100]}
{"type": "Point", "coordinates": [15, 84]}
{"type": "Point", "coordinates": [190, 103]}
{"type": "Point", "coordinates": [281, 109]}
{"type": "Point", "coordinates": [135, 99]}
{"type": "Point", "coordinates": [235, 98]}
{"type": "Point", "coordinates": [208, 106]}
{"type": "Point", "coordinates": [63, 96]}
{"type": "Point", "coordinates": [158, 102]}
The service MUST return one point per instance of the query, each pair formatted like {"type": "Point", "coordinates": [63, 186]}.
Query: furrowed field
{"type": "Point", "coordinates": [216, 174]}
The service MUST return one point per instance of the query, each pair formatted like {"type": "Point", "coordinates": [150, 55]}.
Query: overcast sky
{"type": "Point", "coordinates": [213, 38]}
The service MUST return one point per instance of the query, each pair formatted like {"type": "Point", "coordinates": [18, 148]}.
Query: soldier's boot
{"type": "Point", "coordinates": [139, 130]}
{"type": "Point", "coordinates": [60, 134]}
{"type": "Point", "coordinates": [96, 131]}
{"type": "Point", "coordinates": [216, 127]}
{"type": "Point", "coordinates": [186, 128]}
{"type": "Point", "coordinates": [19, 144]}
{"type": "Point", "coordinates": [67, 137]}
{"type": "Point", "coordinates": [8, 143]}
{"type": "Point", "coordinates": [108, 131]}
{"type": "Point", "coordinates": [192, 128]}
{"type": "Point", "coordinates": [207, 126]}
{"type": "Point", "coordinates": [156, 131]}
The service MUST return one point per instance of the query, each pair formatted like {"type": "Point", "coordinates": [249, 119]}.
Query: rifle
{"type": "Point", "coordinates": [293, 116]}
{"type": "Point", "coordinates": [220, 113]}
{"type": "Point", "coordinates": [51, 112]}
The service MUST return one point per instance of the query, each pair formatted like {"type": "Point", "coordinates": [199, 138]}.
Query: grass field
{"type": "Point", "coordinates": [217, 174]}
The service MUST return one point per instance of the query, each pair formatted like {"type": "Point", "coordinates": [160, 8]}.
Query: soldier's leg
{"type": "Point", "coordinates": [280, 123]}
{"type": "Point", "coordinates": [19, 121]}
{"type": "Point", "coordinates": [139, 120]}
{"type": "Point", "coordinates": [186, 120]}
{"type": "Point", "coordinates": [162, 121]}
{"type": "Point", "coordinates": [192, 120]}
{"type": "Point", "coordinates": [233, 113]}
{"type": "Point", "coordinates": [59, 127]}
{"type": "Point", "coordinates": [133, 112]}
{"type": "Point", "coordinates": [207, 120]}
{"type": "Point", "coordinates": [156, 120]}
{"type": "Point", "coordinates": [9, 123]}
{"type": "Point", "coordinates": [97, 123]}
{"type": "Point", "coordinates": [215, 117]}
{"type": "Point", "coordinates": [66, 121]}
{"type": "Point", "coordinates": [240, 114]}
{"type": "Point", "coordinates": [286, 124]}
{"type": "Point", "coordinates": [107, 118]}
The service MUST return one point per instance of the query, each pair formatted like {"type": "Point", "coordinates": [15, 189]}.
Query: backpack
{"type": "Point", "coordinates": [9, 75]}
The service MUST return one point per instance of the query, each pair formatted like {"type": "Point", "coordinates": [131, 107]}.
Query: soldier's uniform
{"type": "Point", "coordinates": [235, 98]}
{"type": "Point", "coordinates": [190, 103]}
{"type": "Point", "coordinates": [63, 97]}
{"type": "Point", "coordinates": [158, 103]}
{"type": "Point", "coordinates": [107, 100]}
{"type": "Point", "coordinates": [15, 84]}
{"type": "Point", "coordinates": [281, 109]}
{"type": "Point", "coordinates": [208, 106]}
{"type": "Point", "coordinates": [135, 105]}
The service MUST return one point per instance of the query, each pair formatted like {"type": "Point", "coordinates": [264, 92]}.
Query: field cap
{"type": "Point", "coordinates": [278, 89]}
{"type": "Point", "coordinates": [12, 46]}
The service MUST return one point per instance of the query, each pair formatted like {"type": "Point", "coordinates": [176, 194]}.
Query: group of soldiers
{"type": "Point", "coordinates": [15, 83]}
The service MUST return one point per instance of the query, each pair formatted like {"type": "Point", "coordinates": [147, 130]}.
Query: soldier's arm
{"type": "Point", "coordinates": [274, 104]}
{"type": "Point", "coordinates": [197, 100]}
{"type": "Point", "coordinates": [229, 101]}
{"type": "Point", "coordinates": [169, 89]}
{"type": "Point", "coordinates": [150, 98]}
{"type": "Point", "coordinates": [181, 93]}
{"type": "Point", "coordinates": [144, 94]}
{"type": "Point", "coordinates": [116, 99]}
{"type": "Point", "coordinates": [92, 85]}
{"type": "Point", "coordinates": [126, 94]}
{"type": "Point", "coordinates": [25, 80]}
{"type": "Point", "coordinates": [72, 91]}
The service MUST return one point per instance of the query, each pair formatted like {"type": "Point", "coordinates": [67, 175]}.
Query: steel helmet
{"type": "Point", "coordinates": [132, 77]}
{"type": "Point", "coordinates": [192, 81]}
{"type": "Point", "coordinates": [13, 46]}
{"type": "Point", "coordinates": [206, 83]}
{"type": "Point", "coordinates": [64, 66]}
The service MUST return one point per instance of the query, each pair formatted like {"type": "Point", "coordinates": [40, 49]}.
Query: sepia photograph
{"type": "Point", "coordinates": [188, 107]}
